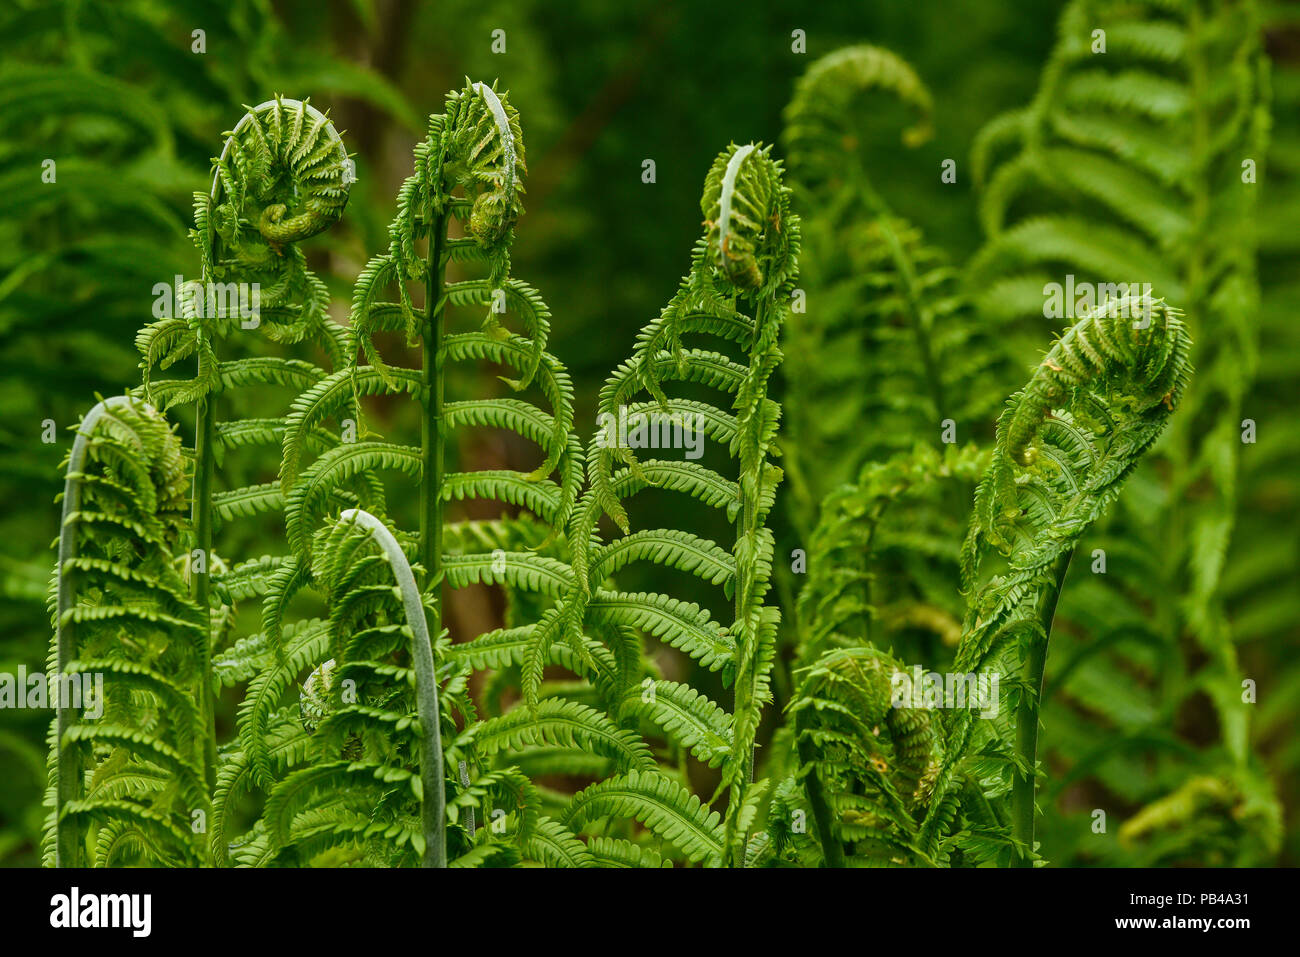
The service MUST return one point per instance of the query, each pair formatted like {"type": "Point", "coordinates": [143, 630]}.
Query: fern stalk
{"type": "Point", "coordinates": [918, 318]}
{"type": "Point", "coordinates": [432, 428]}
{"type": "Point", "coordinates": [204, 466]}
{"type": "Point", "coordinates": [1024, 785]}
{"type": "Point", "coordinates": [832, 849]}
{"type": "Point", "coordinates": [434, 799]}
{"type": "Point", "coordinates": [205, 426]}
{"type": "Point", "coordinates": [432, 444]}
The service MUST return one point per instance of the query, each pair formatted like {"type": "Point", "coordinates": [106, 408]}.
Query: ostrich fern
{"type": "Point", "coordinates": [738, 292]}
{"type": "Point", "coordinates": [370, 732]}
{"type": "Point", "coordinates": [888, 336]}
{"type": "Point", "coordinates": [282, 177]}
{"type": "Point", "coordinates": [469, 171]}
{"type": "Point", "coordinates": [1128, 167]}
{"type": "Point", "coordinates": [1101, 396]}
{"type": "Point", "coordinates": [903, 786]}
{"type": "Point", "coordinates": [125, 785]}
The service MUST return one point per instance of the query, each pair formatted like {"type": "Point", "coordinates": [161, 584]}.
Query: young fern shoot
{"type": "Point", "coordinates": [282, 177]}
{"type": "Point", "coordinates": [892, 340]}
{"type": "Point", "coordinates": [129, 777]}
{"type": "Point", "coordinates": [738, 291]}
{"type": "Point", "coordinates": [468, 173]}
{"type": "Point", "coordinates": [1065, 445]}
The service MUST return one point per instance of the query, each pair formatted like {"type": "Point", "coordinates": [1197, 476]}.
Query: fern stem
{"type": "Point", "coordinates": [204, 441]}
{"type": "Point", "coordinates": [1024, 785]}
{"type": "Point", "coordinates": [67, 845]}
{"type": "Point", "coordinates": [745, 525]}
{"type": "Point", "coordinates": [432, 445]}
{"type": "Point", "coordinates": [433, 805]}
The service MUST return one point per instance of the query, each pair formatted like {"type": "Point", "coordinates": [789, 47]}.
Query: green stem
{"type": "Point", "coordinates": [432, 440]}
{"type": "Point", "coordinates": [432, 445]}
{"type": "Point", "coordinates": [746, 529]}
{"type": "Point", "coordinates": [201, 518]}
{"type": "Point", "coordinates": [433, 806]}
{"type": "Point", "coordinates": [1024, 784]}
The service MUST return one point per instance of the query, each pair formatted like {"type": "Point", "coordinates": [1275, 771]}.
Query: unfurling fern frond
{"type": "Point", "coordinates": [468, 179]}
{"type": "Point", "coordinates": [468, 173]}
{"type": "Point", "coordinates": [823, 118]}
{"type": "Point", "coordinates": [737, 292]}
{"type": "Point", "coordinates": [373, 706]}
{"type": "Point", "coordinates": [888, 339]}
{"type": "Point", "coordinates": [887, 336]}
{"type": "Point", "coordinates": [127, 661]}
{"type": "Point", "coordinates": [1065, 446]}
{"type": "Point", "coordinates": [283, 176]}
{"type": "Point", "coordinates": [858, 764]}
{"type": "Point", "coordinates": [867, 757]}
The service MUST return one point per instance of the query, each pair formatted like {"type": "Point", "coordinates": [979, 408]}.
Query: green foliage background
{"type": "Point", "coordinates": [113, 93]}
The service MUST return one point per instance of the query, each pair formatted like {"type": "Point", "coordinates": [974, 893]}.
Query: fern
{"type": "Point", "coordinates": [866, 764]}
{"type": "Point", "coordinates": [1128, 168]}
{"type": "Point", "coordinates": [890, 784]}
{"type": "Point", "coordinates": [342, 569]}
{"type": "Point", "coordinates": [127, 782]}
{"type": "Point", "coordinates": [887, 335]}
{"type": "Point", "coordinates": [1066, 444]}
{"type": "Point", "coordinates": [738, 291]}
{"type": "Point", "coordinates": [862, 529]}
{"type": "Point", "coordinates": [468, 173]}
{"type": "Point", "coordinates": [469, 661]}
{"type": "Point", "coordinates": [283, 176]}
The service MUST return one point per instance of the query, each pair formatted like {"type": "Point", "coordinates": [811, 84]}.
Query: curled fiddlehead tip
{"type": "Point", "coordinates": [819, 118]}
{"type": "Point", "coordinates": [1065, 443]}
{"type": "Point", "coordinates": [750, 231]}
{"type": "Point", "coordinates": [285, 173]}
{"type": "Point", "coordinates": [1132, 353]}
{"type": "Point", "coordinates": [486, 158]}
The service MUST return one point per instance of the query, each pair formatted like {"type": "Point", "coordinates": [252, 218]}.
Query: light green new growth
{"type": "Point", "coordinates": [434, 798]}
{"type": "Point", "coordinates": [129, 772]}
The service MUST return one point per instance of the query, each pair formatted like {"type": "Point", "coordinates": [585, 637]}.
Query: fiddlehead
{"type": "Point", "coordinates": [866, 756]}
{"type": "Point", "coordinates": [887, 335]}
{"type": "Point", "coordinates": [1066, 444]}
{"type": "Point", "coordinates": [127, 772]}
{"type": "Point", "coordinates": [859, 765]}
{"type": "Point", "coordinates": [1127, 170]}
{"type": "Point", "coordinates": [283, 176]}
{"type": "Point", "coordinates": [468, 176]}
{"type": "Point", "coordinates": [823, 118]}
{"type": "Point", "coordinates": [738, 290]}
{"type": "Point", "coordinates": [365, 737]}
